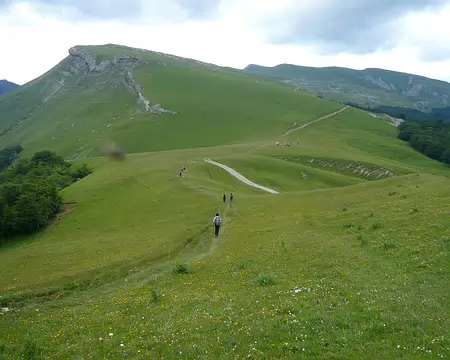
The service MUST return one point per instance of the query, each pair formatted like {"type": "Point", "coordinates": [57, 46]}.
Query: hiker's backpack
{"type": "Point", "coordinates": [217, 220]}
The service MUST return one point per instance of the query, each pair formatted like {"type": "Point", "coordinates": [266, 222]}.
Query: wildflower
{"type": "Point", "coordinates": [111, 334]}
{"type": "Point", "coordinates": [122, 345]}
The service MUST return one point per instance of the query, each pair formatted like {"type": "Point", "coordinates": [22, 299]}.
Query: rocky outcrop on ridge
{"type": "Point", "coordinates": [90, 62]}
{"type": "Point", "coordinates": [83, 60]}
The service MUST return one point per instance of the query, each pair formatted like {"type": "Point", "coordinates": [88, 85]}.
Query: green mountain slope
{"type": "Point", "coordinates": [146, 101]}
{"type": "Point", "coordinates": [348, 261]}
{"type": "Point", "coordinates": [7, 86]}
{"type": "Point", "coordinates": [369, 87]}
{"type": "Point", "coordinates": [338, 246]}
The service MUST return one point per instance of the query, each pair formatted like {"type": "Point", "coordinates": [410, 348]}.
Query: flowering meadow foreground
{"type": "Point", "coordinates": [347, 279]}
{"type": "Point", "coordinates": [344, 268]}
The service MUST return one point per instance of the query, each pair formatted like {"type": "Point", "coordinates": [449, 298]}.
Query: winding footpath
{"type": "Point", "coordinates": [312, 122]}
{"type": "Point", "coordinates": [241, 177]}
{"type": "Point", "coordinates": [263, 188]}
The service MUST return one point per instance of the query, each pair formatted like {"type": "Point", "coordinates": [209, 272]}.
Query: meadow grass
{"type": "Point", "coordinates": [332, 297]}
{"type": "Point", "coordinates": [335, 295]}
{"type": "Point", "coordinates": [334, 266]}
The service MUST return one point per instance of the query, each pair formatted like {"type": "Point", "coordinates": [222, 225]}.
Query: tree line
{"type": "Point", "coordinates": [8, 155]}
{"type": "Point", "coordinates": [431, 138]}
{"type": "Point", "coordinates": [406, 113]}
{"type": "Point", "coordinates": [30, 190]}
{"type": "Point", "coordinates": [422, 131]}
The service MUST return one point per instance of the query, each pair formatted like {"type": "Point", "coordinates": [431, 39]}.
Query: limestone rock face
{"type": "Point", "coordinates": [84, 61]}
{"type": "Point", "coordinates": [92, 65]}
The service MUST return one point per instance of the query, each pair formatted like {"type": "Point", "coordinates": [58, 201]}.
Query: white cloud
{"type": "Point", "coordinates": [34, 39]}
{"type": "Point", "coordinates": [428, 33]}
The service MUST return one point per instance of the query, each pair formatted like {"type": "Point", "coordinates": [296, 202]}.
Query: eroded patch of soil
{"type": "Point", "coordinates": [66, 209]}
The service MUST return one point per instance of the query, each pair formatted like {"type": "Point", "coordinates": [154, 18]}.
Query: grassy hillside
{"type": "Point", "coordinates": [75, 111]}
{"type": "Point", "coordinates": [348, 261]}
{"type": "Point", "coordinates": [369, 87]}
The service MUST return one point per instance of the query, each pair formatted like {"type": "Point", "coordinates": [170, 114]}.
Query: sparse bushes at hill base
{"type": "Point", "coordinates": [432, 138]}
{"type": "Point", "coordinates": [29, 192]}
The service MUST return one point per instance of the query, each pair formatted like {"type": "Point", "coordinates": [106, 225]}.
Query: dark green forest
{"type": "Point", "coordinates": [29, 190]}
{"type": "Point", "coordinates": [407, 113]}
{"type": "Point", "coordinates": [8, 155]}
{"type": "Point", "coordinates": [414, 115]}
{"type": "Point", "coordinates": [431, 138]}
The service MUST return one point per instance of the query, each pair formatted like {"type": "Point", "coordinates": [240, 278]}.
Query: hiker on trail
{"type": "Point", "coordinates": [231, 198]}
{"type": "Point", "coordinates": [224, 198]}
{"type": "Point", "coordinates": [217, 222]}
{"type": "Point", "coordinates": [181, 174]}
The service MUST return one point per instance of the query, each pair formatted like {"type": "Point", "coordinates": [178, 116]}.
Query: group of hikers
{"type": "Point", "coordinates": [225, 198]}
{"type": "Point", "coordinates": [217, 221]}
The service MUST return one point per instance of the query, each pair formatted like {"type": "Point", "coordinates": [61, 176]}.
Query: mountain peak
{"type": "Point", "coordinates": [7, 86]}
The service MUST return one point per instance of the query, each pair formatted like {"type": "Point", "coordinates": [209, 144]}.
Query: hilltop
{"type": "Point", "coordinates": [146, 101]}
{"type": "Point", "coordinates": [6, 86]}
{"type": "Point", "coordinates": [340, 252]}
{"type": "Point", "coordinates": [370, 87]}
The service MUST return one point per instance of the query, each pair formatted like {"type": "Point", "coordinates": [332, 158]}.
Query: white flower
{"type": "Point", "coordinates": [122, 345]}
{"type": "Point", "coordinates": [101, 339]}
{"type": "Point", "coordinates": [111, 334]}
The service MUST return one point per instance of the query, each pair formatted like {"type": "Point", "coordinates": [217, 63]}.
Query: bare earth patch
{"type": "Point", "coordinates": [66, 209]}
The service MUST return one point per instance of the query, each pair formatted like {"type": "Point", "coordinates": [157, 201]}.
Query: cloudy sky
{"type": "Point", "coordinates": [404, 35]}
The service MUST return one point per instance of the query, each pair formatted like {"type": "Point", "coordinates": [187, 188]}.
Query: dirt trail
{"type": "Point", "coordinates": [65, 209]}
{"type": "Point", "coordinates": [241, 177]}
{"type": "Point", "coordinates": [312, 122]}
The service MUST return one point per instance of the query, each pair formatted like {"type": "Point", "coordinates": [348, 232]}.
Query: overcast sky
{"type": "Point", "coordinates": [404, 35]}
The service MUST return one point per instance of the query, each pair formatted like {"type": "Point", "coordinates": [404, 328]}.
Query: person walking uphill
{"type": "Point", "coordinates": [217, 221]}
{"type": "Point", "coordinates": [224, 198]}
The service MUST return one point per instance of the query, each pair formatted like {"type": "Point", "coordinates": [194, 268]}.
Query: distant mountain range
{"type": "Point", "coordinates": [6, 86]}
{"type": "Point", "coordinates": [369, 88]}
